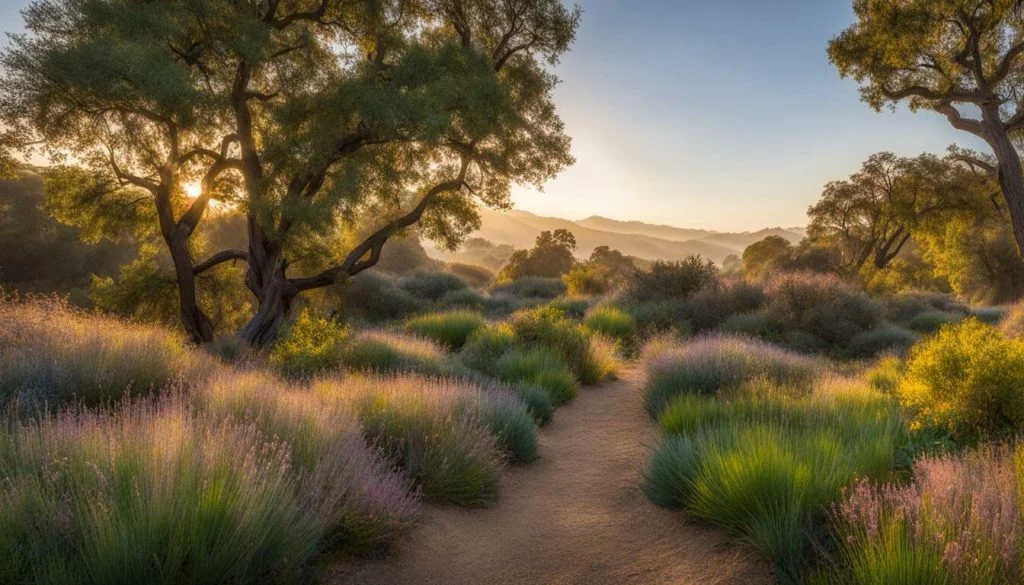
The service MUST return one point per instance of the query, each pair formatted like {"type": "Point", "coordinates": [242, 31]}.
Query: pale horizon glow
{"type": "Point", "coordinates": [710, 115]}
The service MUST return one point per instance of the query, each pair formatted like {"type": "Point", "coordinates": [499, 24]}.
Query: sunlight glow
{"type": "Point", "coordinates": [193, 190]}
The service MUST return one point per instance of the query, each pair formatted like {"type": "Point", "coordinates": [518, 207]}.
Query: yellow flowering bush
{"type": "Point", "coordinates": [968, 379]}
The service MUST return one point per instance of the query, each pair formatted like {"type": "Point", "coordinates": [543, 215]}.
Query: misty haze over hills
{"type": "Point", "coordinates": [519, 229]}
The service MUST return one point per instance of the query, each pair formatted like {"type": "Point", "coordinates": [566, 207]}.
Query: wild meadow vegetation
{"type": "Point", "coordinates": [226, 355]}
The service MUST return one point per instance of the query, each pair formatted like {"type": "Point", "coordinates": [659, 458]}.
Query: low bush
{"type": "Point", "coordinates": [673, 280]}
{"type": "Point", "coordinates": [590, 279]}
{"type": "Point", "coordinates": [611, 322]}
{"type": "Point", "coordinates": [310, 346]}
{"type": "Point", "coordinates": [765, 463]}
{"type": "Point", "coordinates": [819, 311]}
{"type": "Point", "coordinates": [932, 321]}
{"type": "Point", "coordinates": [375, 298]}
{"type": "Point", "coordinates": [540, 368]}
{"type": "Point", "coordinates": [967, 380]}
{"type": "Point", "coordinates": [466, 298]}
{"type": "Point", "coordinates": [431, 286]}
{"type": "Point", "coordinates": [471, 274]}
{"type": "Point", "coordinates": [451, 329]}
{"type": "Point", "coordinates": [532, 287]}
{"type": "Point", "coordinates": [990, 315]}
{"type": "Point", "coordinates": [904, 308]}
{"type": "Point", "coordinates": [711, 306]}
{"type": "Point", "coordinates": [713, 364]}
{"type": "Point", "coordinates": [549, 328]}
{"type": "Point", "coordinates": [757, 324]}
{"type": "Point", "coordinates": [447, 435]}
{"type": "Point", "coordinates": [485, 347]}
{"type": "Point", "coordinates": [51, 354]}
{"type": "Point", "coordinates": [958, 522]}
{"type": "Point", "coordinates": [573, 307]}
{"type": "Point", "coordinates": [384, 352]}
{"type": "Point", "coordinates": [889, 339]}
{"type": "Point", "coordinates": [656, 317]}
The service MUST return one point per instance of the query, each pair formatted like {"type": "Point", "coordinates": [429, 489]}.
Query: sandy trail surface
{"type": "Point", "coordinates": [576, 516]}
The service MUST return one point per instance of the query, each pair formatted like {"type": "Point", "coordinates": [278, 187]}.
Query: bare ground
{"type": "Point", "coordinates": [576, 516]}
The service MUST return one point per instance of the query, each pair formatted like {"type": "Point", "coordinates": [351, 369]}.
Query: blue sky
{"type": "Point", "coordinates": [719, 115]}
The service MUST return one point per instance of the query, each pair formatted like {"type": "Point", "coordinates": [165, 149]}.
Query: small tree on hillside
{"type": "Point", "coordinates": [765, 256]}
{"type": "Point", "coordinates": [308, 116]}
{"type": "Point", "coordinates": [945, 55]}
{"type": "Point", "coordinates": [550, 257]}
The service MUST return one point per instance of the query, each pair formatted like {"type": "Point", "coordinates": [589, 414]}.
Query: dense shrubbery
{"type": "Point", "coordinates": [673, 280]}
{"type": "Point", "coordinates": [531, 288]}
{"type": "Point", "coordinates": [53, 354]}
{"type": "Point", "coordinates": [311, 345]}
{"type": "Point", "coordinates": [819, 312]}
{"type": "Point", "coordinates": [968, 380]}
{"type": "Point", "coordinates": [431, 286]}
{"type": "Point", "coordinates": [715, 364]}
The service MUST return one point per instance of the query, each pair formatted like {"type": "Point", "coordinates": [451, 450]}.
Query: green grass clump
{"type": "Point", "coordinates": [384, 352]}
{"type": "Point", "coordinates": [485, 347]}
{"type": "Point", "coordinates": [540, 368]}
{"type": "Point", "coordinates": [537, 401]}
{"type": "Point", "coordinates": [611, 322]}
{"type": "Point", "coordinates": [766, 462]}
{"type": "Point", "coordinates": [52, 354]}
{"type": "Point", "coordinates": [601, 362]}
{"type": "Point", "coordinates": [716, 363]}
{"type": "Point", "coordinates": [150, 493]}
{"type": "Point", "coordinates": [451, 329]}
{"type": "Point", "coordinates": [547, 327]}
{"type": "Point", "coordinates": [450, 437]}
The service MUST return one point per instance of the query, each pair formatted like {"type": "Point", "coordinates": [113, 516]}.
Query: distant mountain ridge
{"type": "Point", "coordinates": [519, 228]}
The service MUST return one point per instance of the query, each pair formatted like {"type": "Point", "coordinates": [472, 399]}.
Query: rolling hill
{"type": "Point", "coordinates": [519, 228]}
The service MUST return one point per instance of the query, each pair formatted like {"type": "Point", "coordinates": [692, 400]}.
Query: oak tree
{"type": "Point", "coordinates": [306, 116]}
{"type": "Point", "coordinates": [961, 58]}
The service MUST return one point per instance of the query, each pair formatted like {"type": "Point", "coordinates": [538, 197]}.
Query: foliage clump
{"type": "Point", "coordinates": [968, 380]}
{"type": "Point", "coordinates": [451, 329]}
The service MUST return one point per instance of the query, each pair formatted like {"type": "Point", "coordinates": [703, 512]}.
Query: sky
{"type": "Point", "coordinates": [708, 114]}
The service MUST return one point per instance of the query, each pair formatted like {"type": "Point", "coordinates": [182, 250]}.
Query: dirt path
{"type": "Point", "coordinates": [576, 516]}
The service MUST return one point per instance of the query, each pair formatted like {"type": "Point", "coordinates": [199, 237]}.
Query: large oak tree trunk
{"type": "Point", "coordinates": [1011, 177]}
{"type": "Point", "coordinates": [267, 279]}
{"type": "Point", "coordinates": [195, 322]}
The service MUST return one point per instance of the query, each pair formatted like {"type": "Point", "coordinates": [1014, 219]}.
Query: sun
{"type": "Point", "coordinates": [193, 190]}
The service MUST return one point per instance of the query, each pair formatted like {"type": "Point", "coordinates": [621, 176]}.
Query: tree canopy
{"type": "Point", "coordinates": [306, 116]}
{"type": "Point", "coordinates": [551, 257]}
{"type": "Point", "coordinates": [961, 58]}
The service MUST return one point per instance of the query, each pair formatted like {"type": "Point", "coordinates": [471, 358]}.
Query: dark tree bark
{"type": "Point", "coordinates": [1011, 177]}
